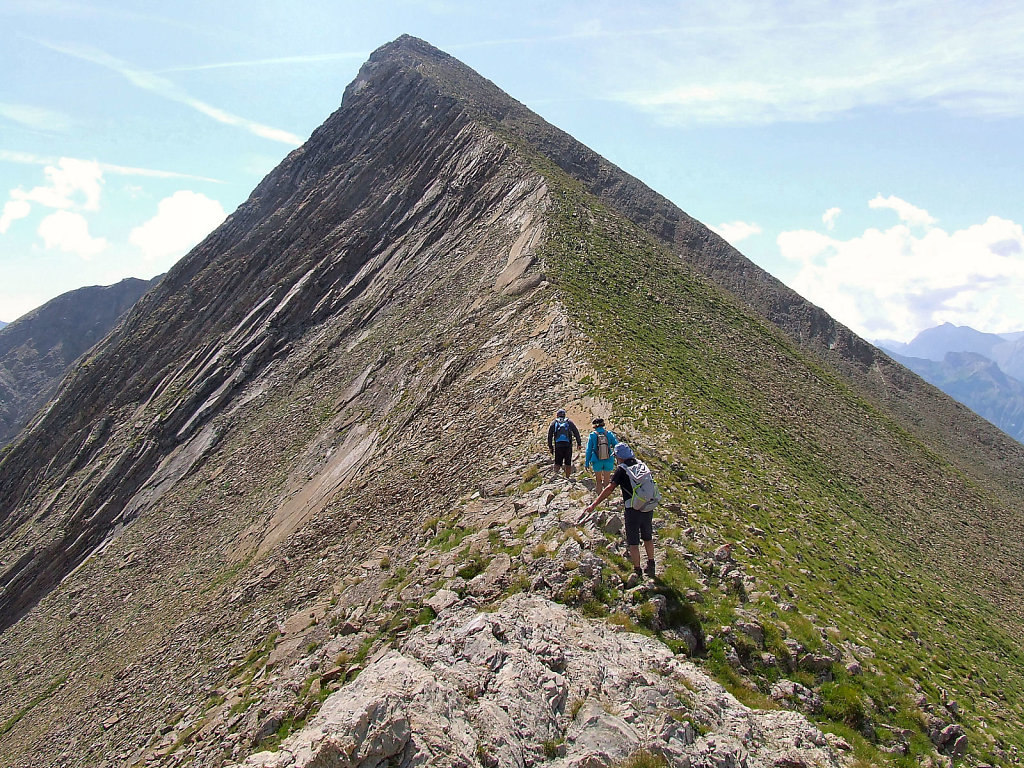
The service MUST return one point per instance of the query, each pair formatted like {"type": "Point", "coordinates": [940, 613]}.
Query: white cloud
{"type": "Point", "coordinates": [910, 214]}
{"type": "Point", "coordinates": [737, 231]}
{"type": "Point", "coordinates": [829, 217]}
{"type": "Point", "coordinates": [181, 221]}
{"type": "Point", "coordinates": [803, 245]}
{"type": "Point", "coordinates": [13, 210]}
{"type": "Point", "coordinates": [67, 231]}
{"type": "Point", "coordinates": [161, 86]}
{"type": "Point", "coordinates": [896, 282]}
{"type": "Point", "coordinates": [72, 184]}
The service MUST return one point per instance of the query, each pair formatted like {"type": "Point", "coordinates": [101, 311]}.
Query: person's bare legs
{"type": "Point", "coordinates": [601, 480]}
{"type": "Point", "coordinates": [634, 553]}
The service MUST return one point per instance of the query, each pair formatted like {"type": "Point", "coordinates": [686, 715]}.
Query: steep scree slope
{"type": "Point", "coordinates": [328, 417]}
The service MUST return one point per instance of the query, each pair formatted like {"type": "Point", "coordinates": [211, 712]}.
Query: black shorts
{"type": "Point", "coordinates": [638, 526]}
{"type": "Point", "coordinates": [563, 454]}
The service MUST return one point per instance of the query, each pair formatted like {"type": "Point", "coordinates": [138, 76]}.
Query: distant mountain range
{"type": "Point", "coordinates": [2, 324]}
{"type": "Point", "coordinates": [984, 371]}
{"type": "Point", "coordinates": [37, 349]}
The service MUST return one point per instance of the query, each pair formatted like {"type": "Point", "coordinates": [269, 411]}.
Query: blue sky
{"type": "Point", "coordinates": [869, 154]}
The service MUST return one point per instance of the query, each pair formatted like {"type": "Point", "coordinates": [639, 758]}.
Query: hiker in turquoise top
{"type": "Point", "coordinates": [599, 454]}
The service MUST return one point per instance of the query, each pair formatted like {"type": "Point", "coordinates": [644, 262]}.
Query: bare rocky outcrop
{"type": "Point", "coordinates": [533, 682]}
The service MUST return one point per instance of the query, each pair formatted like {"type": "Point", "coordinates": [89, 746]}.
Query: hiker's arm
{"type": "Point", "coordinates": [551, 434]}
{"type": "Point", "coordinates": [604, 495]}
{"type": "Point", "coordinates": [579, 440]}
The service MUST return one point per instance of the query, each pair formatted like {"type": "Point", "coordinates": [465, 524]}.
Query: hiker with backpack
{"type": "Point", "coordinates": [641, 496]}
{"type": "Point", "coordinates": [560, 437]}
{"type": "Point", "coordinates": [599, 454]}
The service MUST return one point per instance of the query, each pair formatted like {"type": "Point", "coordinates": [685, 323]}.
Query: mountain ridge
{"type": "Point", "coordinates": [331, 411]}
{"type": "Point", "coordinates": [38, 348]}
{"type": "Point", "coordinates": [804, 322]}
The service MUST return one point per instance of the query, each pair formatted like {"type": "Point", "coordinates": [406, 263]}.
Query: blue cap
{"type": "Point", "coordinates": [623, 451]}
{"type": "Point", "coordinates": [561, 412]}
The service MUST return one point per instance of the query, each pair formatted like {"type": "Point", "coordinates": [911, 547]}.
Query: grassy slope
{"type": "Point", "coordinates": [874, 534]}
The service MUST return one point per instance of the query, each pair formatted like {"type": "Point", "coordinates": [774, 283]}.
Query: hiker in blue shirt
{"type": "Point", "coordinates": [560, 437]}
{"type": "Point", "coordinates": [599, 454]}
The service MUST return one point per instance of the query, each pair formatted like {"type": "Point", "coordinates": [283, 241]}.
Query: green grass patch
{"type": "Point", "coordinates": [34, 702]}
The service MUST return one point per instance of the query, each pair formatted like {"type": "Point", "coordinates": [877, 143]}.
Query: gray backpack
{"type": "Point", "coordinates": [645, 491]}
{"type": "Point", "coordinates": [604, 451]}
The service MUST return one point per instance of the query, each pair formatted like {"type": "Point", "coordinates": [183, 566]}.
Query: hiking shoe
{"type": "Point", "coordinates": [649, 570]}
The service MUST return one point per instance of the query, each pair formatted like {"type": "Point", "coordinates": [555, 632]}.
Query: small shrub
{"type": "Point", "coordinates": [531, 480]}
{"type": "Point", "coordinates": [843, 702]}
{"type": "Point", "coordinates": [550, 747]}
{"type": "Point", "coordinates": [643, 759]}
{"type": "Point", "coordinates": [425, 615]}
{"type": "Point", "coordinates": [475, 566]}
{"type": "Point", "coordinates": [575, 707]}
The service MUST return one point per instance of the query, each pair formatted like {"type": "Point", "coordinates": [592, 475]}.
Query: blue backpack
{"type": "Point", "coordinates": [562, 433]}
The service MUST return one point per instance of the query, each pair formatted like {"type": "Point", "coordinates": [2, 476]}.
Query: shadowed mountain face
{"type": "Point", "coordinates": [330, 416]}
{"type": "Point", "coordinates": [37, 349]}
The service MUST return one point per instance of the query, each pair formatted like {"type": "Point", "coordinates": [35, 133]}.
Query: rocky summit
{"type": "Point", "coordinates": [297, 508]}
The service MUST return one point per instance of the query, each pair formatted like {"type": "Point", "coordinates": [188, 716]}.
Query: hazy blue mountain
{"type": "Point", "coordinates": [1005, 349]}
{"type": "Point", "coordinates": [1010, 355]}
{"type": "Point", "coordinates": [977, 382]}
{"type": "Point", "coordinates": [935, 343]}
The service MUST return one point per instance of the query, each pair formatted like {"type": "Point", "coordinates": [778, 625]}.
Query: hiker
{"type": "Point", "coordinates": [599, 454]}
{"type": "Point", "coordinates": [629, 475]}
{"type": "Point", "coordinates": [560, 437]}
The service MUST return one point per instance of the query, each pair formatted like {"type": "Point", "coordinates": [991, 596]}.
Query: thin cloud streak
{"type": "Point", "coordinates": [161, 86]}
{"type": "Point", "coordinates": [734, 69]}
{"type": "Point", "coordinates": [37, 118]}
{"type": "Point", "coordinates": [27, 158]}
{"type": "Point", "coordinates": [316, 58]}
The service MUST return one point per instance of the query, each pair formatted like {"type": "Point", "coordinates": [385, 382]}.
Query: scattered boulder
{"type": "Point", "coordinates": [792, 695]}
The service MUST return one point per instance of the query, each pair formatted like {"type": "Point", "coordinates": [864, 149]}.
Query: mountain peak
{"type": "Point", "coordinates": [448, 76]}
{"type": "Point", "coordinates": [221, 519]}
